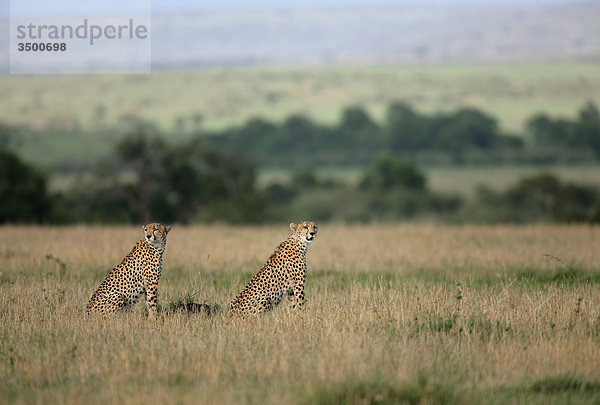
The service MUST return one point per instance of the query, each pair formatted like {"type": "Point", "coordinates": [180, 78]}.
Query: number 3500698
{"type": "Point", "coordinates": [42, 46]}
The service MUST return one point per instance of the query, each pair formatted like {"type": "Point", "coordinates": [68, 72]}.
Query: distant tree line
{"type": "Point", "coordinates": [393, 189]}
{"type": "Point", "coordinates": [146, 179]}
{"type": "Point", "coordinates": [390, 189]}
{"type": "Point", "coordinates": [540, 198]}
{"type": "Point", "coordinates": [191, 183]}
{"type": "Point", "coordinates": [143, 179]}
{"type": "Point", "coordinates": [582, 133]}
{"type": "Point", "coordinates": [207, 179]}
{"type": "Point", "coordinates": [464, 136]}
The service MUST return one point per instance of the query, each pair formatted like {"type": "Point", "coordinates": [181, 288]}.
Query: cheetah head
{"type": "Point", "coordinates": [156, 234]}
{"type": "Point", "coordinates": [305, 231]}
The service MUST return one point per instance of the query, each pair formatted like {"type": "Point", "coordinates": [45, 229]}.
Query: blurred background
{"type": "Point", "coordinates": [347, 111]}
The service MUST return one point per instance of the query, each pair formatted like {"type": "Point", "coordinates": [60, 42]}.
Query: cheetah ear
{"type": "Point", "coordinates": [167, 229]}
{"type": "Point", "coordinates": [293, 227]}
{"type": "Point", "coordinates": [144, 228]}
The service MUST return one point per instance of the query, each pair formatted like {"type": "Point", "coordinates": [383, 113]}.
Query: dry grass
{"type": "Point", "coordinates": [406, 313]}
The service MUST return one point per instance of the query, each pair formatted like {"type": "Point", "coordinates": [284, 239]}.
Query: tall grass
{"type": "Point", "coordinates": [394, 314]}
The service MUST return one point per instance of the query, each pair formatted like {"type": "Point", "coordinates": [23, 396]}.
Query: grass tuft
{"type": "Point", "coordinates": [564, 383]}
{"type": "Point", "coordinates": [419, 391]}
{"type": "Point", "coordinates": [187, 305]}
{"type": "Point", "coordinates": [564, 275]}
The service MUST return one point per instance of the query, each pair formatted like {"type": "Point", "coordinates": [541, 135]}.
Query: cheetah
{"type": "Point", "coordinates": [136, 275]}
{"type": "Point", "coordinates": [283, 274]}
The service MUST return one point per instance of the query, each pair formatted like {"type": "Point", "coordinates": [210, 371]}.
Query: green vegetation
{"type": "Point", "coordinates": [192, 173]}
{"type": "Point", "coordinates": [560, 383]}
{"type": "Point", "coordinates": [563, 133]}
{"type": "Point", "coordinates": [22, 191]}
{"type": "Point", "coordinates": [75, 116]}
{"type": "Point", "coordinates": [465, 136]}
{"type": "Point", "coordinates": [420, 391]}
{"type": "Point", "coordinates": [220, 98]}
{"type": "Point", "coordinates": [390, 189]}
{"type": "Point", "coordinates": [539, 198]}
{"type": "Point", "coordinates": [465, 180]}
{"type": "Point", "coordinates": [147, 179]}
{"type": "Point", "coordinates": [186, 304]}
{"type": "Point", "coordinates": [173, 183]}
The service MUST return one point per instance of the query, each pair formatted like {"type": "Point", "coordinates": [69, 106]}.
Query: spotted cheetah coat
{"type": "Point", "coordinates": [137, 275]}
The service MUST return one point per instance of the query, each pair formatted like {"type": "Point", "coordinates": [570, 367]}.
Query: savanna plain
{"type": "Point", "coordinates": [408, 313]}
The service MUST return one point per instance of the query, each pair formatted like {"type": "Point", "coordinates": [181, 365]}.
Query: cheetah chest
{"type": "Point", "coordinates": [145, 276]}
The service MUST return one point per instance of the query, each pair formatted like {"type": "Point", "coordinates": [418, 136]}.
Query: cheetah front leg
{"type": "Point", "coordinates": [151, 300]}
{"type": "Point", "coordinates": [298, 299]}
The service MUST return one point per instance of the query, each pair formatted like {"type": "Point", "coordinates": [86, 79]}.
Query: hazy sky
{"type": "Point", "coordinates": [58, 7]}
{"type": "Point", "coordinates": [165, 5]}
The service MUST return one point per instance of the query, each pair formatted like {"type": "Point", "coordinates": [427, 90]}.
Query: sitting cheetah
{"type": "Point", "coordinates": [284, 273]}
{"type": "Point", "coordinates": [137, 274]}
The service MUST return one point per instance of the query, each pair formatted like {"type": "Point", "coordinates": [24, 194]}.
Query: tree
{"type": "Point", "coordinates": [258, 133]}
{"type": "Point", "coordinates": [588, 127]}
{"type": "Point", "coordinates": [465, 128]}
{"type": "Point", "coordinates": [545, 198]}
{"type": "Point", "coordinates": [299, 130]}
{"type": "Point", "coordinates": [22, 191]}
{"type": "Point", "coordinates": [583, 133]}
{"type": "Point", "coordinates": [389, 173]}
{"type": "Point", "coordinates": [148, 179]}
{"type": "Point", "coordinates": [304, 178]}
{"type": "Point", "coordinates": [357, 124]}
{"type": "Point", "coordinates": [5, 136]}
{"type": "Point", "coordinates": [407, 130]}
{"type": "Point", "coordinates": [145, 158]}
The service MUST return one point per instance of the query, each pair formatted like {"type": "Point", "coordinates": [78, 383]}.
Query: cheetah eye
{"type": "Point", "coordinates": [305, 226]}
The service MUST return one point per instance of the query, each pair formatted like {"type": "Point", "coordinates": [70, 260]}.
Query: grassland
{"type": "Point", "coordinates": [395, 314]}
{"type": "Point", "coordinates": [225, 97]}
